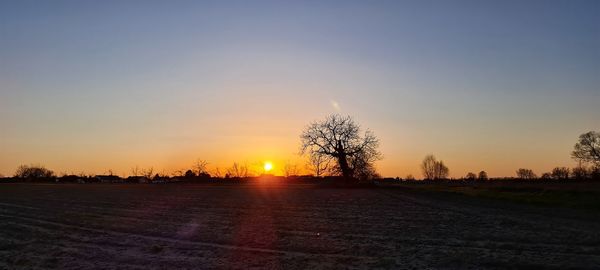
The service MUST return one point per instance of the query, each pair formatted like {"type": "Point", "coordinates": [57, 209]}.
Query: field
{"type": "Point", "coordinates": [275, 226]}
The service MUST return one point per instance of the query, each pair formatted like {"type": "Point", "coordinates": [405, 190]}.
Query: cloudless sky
{"type": "Point", "coordinates": [88, 86]}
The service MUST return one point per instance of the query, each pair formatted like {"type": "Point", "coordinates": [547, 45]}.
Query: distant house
{"type": "Point", "coordinates": [138, 179]}
{"type": "Point", "coordinates": [159, 180]}
{"type": "Point", "coordinates": [69, 179]}
{"type": "Point", "coordinates": [108, 179]}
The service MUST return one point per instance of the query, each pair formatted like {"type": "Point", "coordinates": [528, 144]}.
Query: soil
{"type": "Point", "coordinates": [276, 226]}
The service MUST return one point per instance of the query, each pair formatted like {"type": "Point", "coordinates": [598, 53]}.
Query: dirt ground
{"type": "Point", "coordinates": [180, 226]}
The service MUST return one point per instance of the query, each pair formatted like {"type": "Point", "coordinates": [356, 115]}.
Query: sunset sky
{"type": "Point", "coordinates": [88, 86]}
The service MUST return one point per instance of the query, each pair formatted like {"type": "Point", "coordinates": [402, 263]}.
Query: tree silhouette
{"type": "Point", "coordinates": [290, 169]}
{"type": "Point", "coordinates": [338, 138]}
{"type": "Point", "coordinates": [238, 171]}
{"type": "Point", "coordinates": [364, 169]}
{"type": "Point", "coordinates": [433, 169]}
{"type": "Point", "coordinates": [580, 172]}
{"type": "Point", "coordinates": [200, 166]}
{"type": "Point", "coordinates": [560, 173]}
{"type": "Point", "coordinates": [482, 176]}
{"type": "Point", "coordinates": [588, 148]}
{"type": "Point", "coordinates": [148, 172]}
{"type": "Point", "coordinates": [319, 165]}
{"type": "Point", "coordinates": [471, 176]}
{"type": "Point", "coordinates": [136, 171]}
{"type": "Point", "coordinates": [217, 172]}
{"type": "Point", "coordinates": [189, 174]}
{"type": "Point", "coordinates": [526, 174]}
{"type": "Point", "coordinates": [33, 171]}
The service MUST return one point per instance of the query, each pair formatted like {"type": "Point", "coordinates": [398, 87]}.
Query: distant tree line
{"type": "Point", "coordinates": [586, 152]}
{"type": "Point", "coordinates": [335, 147]}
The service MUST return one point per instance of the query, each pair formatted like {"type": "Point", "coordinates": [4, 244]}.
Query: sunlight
{"type": "Point", "coordinates": [268, 166]}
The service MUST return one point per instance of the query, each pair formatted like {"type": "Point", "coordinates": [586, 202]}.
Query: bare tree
{"type": "Point", "coordinates": [162, 174]}
{"type": "Point", "coordinates": [178, 173]}
{"type": "Point", "coordinates": [319, 165]}
{"type": "Point", "coordinates": [526, 174]}
{"type": "Point", "coordinates": [147, 172]}
{"type": "Point", "coordinates": [588, 148]}
{"type": "Point", "coordinates": [135, 171]}
{"type": "Point", "coordinates": [217, 172]}
{"type": "Point", "coordinates": [33, 171]}
{"type": "Point", "coordinates": [200, 167]}
{"type": "Point", "coordinates": [338, 139]}
{"type": "Point", "coordinates": [428, 167]}
{"type": "Point", "coordinates": [83, 174]}
{"type": "Point", "coordinates": [433, 169]}
{"type": "Point", "coordinates": [580, 172]}
{"type": "Point", "coordinates": [290, 169]}
{"type": "Point", "coordinates": [560, 173]}
{"type": "Point", "coordinates": [238, 171]}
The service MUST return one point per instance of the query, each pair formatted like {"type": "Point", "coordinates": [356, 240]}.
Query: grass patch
{"type": "Point", "coordinates": [563, 198]}
{"type": "Point", "coordinates": [569, 196]}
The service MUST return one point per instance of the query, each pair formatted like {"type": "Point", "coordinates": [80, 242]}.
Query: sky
{"type": "Point", "coordinates": [93, 86]}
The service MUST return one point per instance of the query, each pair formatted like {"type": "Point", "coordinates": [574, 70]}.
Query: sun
{"type": "Point", "coordinates": [268, 166]}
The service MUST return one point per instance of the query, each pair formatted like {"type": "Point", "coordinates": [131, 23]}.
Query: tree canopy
{"type": "Point", "coordinates": [339, 138]}
{"type": "Point", "coordinates": [587, 149]}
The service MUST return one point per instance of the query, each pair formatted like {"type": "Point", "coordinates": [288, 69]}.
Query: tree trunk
{"type": "Point", "coordinates": [343, 161]}
{"type": "Point", "coordinates": [344, 166]}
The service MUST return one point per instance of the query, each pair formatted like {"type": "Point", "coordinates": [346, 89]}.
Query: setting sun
{"type": "Point", "coordinates": [268, 166]}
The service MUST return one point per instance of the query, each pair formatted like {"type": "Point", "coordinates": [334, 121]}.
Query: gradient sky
{"type": "Point", "coordinates": [88, 86]}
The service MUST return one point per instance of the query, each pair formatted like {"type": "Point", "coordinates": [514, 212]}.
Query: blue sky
{"type": "Point", "coordinates": [98, 85]}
